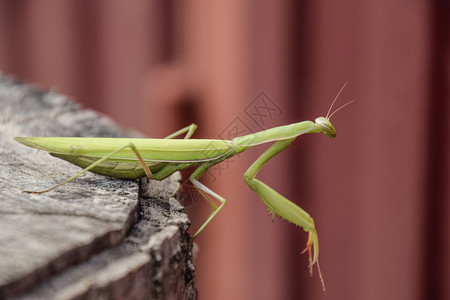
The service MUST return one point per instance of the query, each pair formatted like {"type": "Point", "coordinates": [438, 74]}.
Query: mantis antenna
{"type": "Point", "coordinates": [341, 108]}
{"type": "Point", "coordinates": [337, 96]}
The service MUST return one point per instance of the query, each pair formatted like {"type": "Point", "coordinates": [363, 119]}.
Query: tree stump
{"type": "Point", "coordinates": [93, 238]}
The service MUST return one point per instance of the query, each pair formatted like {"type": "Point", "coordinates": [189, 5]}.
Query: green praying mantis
{"type": "Point", "coordinates": [159, 158]}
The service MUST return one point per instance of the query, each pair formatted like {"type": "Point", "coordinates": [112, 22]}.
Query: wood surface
{"type": "Point", "coordinates": [95, 237]}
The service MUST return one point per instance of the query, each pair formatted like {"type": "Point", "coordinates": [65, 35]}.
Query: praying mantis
{"type": "Point", "coordinates": [159, 158]}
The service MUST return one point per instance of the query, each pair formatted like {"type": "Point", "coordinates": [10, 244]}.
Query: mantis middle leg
{"type": "Point", "coordinates": [201, 188]}
{"type": "Point", "coordinates": [206, 192]}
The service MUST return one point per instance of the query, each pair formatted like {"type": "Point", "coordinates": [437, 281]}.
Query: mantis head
{"type": "Point", "coordinates": [325, 126]}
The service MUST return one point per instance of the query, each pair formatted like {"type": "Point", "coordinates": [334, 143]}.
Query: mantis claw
{"type": "Point", "coordinates": [309, 245]}
{"type": "Point", "coordinates": [40, 192]}
{"type": "Point", "coordinates": [32, 192]}
{"type": "Point", "coordinates": [313, 260]}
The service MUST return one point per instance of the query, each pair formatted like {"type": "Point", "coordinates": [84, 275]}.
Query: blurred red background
{"type": "Point", "coordinates": [379, 192]}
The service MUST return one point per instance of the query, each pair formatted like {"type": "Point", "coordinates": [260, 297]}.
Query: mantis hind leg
{"type": "Point", "coordinates": [281, 206]}
{"type": "Point", "coordinates": [147, 171]}
{"type": "Point", "coordinates": [189, 129]}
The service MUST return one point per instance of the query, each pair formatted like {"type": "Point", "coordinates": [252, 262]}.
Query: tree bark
{"type": "Point", "coordinates": [95, 237]}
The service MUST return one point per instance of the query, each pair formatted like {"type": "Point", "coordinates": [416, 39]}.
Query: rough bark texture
{"type": "Point", "coordinates": [95, 237]}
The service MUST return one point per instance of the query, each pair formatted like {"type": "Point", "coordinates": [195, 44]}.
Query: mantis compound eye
{"type": "Point", "coordinates": [326, 127]}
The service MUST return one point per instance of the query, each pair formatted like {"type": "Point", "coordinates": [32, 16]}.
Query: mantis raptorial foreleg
{"type": "Point", "coordinates": [282, 206]}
